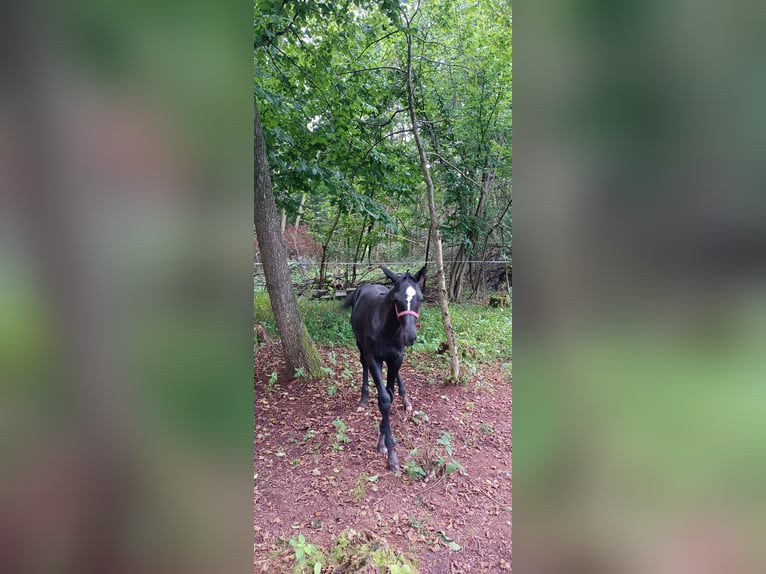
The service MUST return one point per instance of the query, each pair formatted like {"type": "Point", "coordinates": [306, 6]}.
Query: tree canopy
{"type": "Point", "coordinates": [331, 86]}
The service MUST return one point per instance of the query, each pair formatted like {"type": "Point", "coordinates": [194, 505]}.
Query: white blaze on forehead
{"type": "Point", "coordinates": [410, 294]}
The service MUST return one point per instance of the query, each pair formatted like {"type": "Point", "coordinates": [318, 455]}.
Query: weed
{"type": "Point", "coordinates": [300, 373]}
{"type": "Point", "coordinates": [412, 468]}
{"type": "Point", "coordinates": [307, 555]}
{"type": "Point", "coordinates": [310, 433]}
{"type": "Point", "coordinates": [365, 552]}
{"type": "Point", "coordinates": [340, 434]}
{"type": "Point", "coordinates": [295, 462]}
{"type": "Point", "coordinates": [359, 492]}
{"type": "Point", "coordinates": [486, 428]}
{"type": "Point", "coordinates": [446, 441]}
{"type": "Point", "coordinates": [419, 417]}
{"type": "Point", "coordinates": [424, 466]}
{"type": "Point", "coordinates": [507, 372]}
{"type": "Point", "coordinates": [329, 375]}
{"type": "Point", "coordinates": [272, 384]}
{"type": "Point", "coordinates": [417, 524]}
{"type": "Point", "coordinates": [347, 373]}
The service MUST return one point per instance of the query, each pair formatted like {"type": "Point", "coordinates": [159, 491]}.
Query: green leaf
{"type": "Point", "coordinates": [317, 568]}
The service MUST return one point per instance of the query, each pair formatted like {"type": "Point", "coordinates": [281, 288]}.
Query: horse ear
{"type": "Point", "coordinates": [390, 274]}
{"type": "Point", "coordinates": [420, 276]}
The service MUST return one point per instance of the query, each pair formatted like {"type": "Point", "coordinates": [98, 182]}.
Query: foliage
{"type": "Point", "coordinates": [329, 82]}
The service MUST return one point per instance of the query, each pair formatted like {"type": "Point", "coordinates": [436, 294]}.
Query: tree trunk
{"type": "Point", "coordinates": [300, 212]}
{"type": "Point", "coordinates": [436, 233]}
{"type": "Point", "coordinates": [358, 247]}
{"type": "Point", "coordinates": [325, 245]}
{"type": "Point", "coordinates": [297, 346]}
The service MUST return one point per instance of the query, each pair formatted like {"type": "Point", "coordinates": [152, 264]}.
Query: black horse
{"type": "Point", "coordinates": [384, 322]}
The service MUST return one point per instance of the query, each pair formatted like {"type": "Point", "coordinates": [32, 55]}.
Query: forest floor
{"type": "Point", "coordinates": [317, 472]}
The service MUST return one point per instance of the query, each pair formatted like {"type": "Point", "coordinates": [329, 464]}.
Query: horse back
{"type": "Point", "coordinates": [365, 303]}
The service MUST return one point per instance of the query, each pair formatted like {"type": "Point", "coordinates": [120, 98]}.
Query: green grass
{"type": "Point", "coordinates": [484, 333]}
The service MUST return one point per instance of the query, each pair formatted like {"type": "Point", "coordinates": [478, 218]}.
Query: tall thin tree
{"type": "Point", "coordinates": [297, 346]}
{"type": "Point", "coordinates": [435, 230]}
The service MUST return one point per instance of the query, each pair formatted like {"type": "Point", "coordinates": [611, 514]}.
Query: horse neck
{"type": "Point", "coordinates": [388, 311]}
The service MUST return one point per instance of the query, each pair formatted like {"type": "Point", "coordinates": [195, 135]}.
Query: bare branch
{"type": "Point", "coordinates": [456, 168]}
{"type": "Point", "coordinates": [372, 70]}
{"type": "Point", "coordinates": [390, 119]}
{"type": "Point", "coordinates": [443, 45]}
{"type": "Point", "coordinates": [375, 42]}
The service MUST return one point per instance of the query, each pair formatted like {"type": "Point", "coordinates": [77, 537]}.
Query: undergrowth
{"type": "Point", "coordinates": [353, 552]}
{"type": "Point", "coordinates": [483, 332]}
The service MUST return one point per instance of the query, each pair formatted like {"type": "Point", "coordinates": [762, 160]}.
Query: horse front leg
{"type": "Point", "coordinates": [386, 440]}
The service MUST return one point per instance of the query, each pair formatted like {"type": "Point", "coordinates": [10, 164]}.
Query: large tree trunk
{"type": "Point", "coordinates": [435, 231]}
{"type": "Point", "coordinates": [297, 346]}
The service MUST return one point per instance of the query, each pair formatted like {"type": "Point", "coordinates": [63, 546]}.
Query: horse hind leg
{"type": "Point", "coordinates": [395, 378]}
{"type": "Point", "coordinates": [403, 393]}
{"type": "Point", "coordinates": [365, 388]}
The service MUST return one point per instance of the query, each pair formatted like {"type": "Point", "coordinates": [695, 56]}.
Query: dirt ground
{"type": "Point", "coordinates": [304, 482]}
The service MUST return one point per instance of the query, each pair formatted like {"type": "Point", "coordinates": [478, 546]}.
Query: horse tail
{"type": "Point", "coordinates": [350, 299]}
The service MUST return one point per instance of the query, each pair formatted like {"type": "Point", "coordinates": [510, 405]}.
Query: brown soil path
{"type": "Point", "coordinates": [304, 482]}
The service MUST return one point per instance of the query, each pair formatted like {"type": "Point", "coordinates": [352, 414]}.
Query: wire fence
{"type": "Point", "coordinates": [476, 277]}
{"type": "Point", "coordinates": [392, 263]}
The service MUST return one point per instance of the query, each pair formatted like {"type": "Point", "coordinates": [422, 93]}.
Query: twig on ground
{"type": "Point", "coordinates": [493, 499]}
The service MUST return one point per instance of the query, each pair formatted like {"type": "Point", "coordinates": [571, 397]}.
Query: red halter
{"type": "Point", "coordinates": [407, 312]}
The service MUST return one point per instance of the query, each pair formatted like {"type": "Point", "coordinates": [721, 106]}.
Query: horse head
{"type": "Point", "coordinates": [406, 296]}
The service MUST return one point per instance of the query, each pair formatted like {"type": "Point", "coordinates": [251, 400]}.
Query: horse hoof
{"type": "Point", "coordinates": [407, 406]}
{"type": "Point", "coordinates": [382, 450]}
{"type": "Point", "coordinates": [393, 466]}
